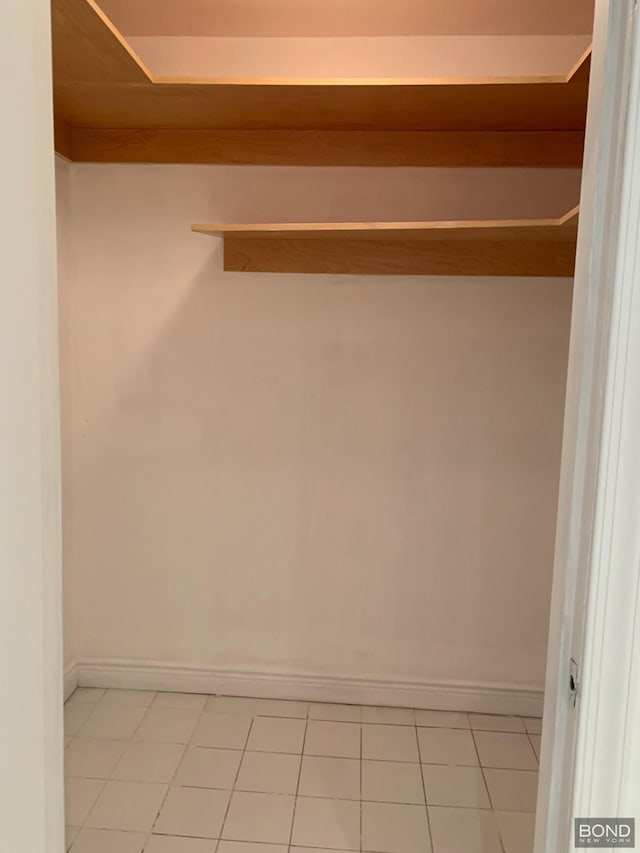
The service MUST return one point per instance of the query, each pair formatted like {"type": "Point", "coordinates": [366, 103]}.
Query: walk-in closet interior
{"type": "Point", "coordinates": [315, 286]}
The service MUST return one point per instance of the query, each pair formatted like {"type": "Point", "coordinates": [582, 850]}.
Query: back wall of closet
{"type": "Point", "coordinates": [340, 476]}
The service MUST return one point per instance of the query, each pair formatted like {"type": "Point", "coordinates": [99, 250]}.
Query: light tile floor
{"type": "Point", "coordinates": [182, 773]}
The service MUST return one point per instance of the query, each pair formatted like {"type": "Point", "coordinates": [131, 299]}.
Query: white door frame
{"type": "Point", "coordinates": [607, 772]}
{"type": "Point", "coordinates": [586, 752]}
{"type": "Point", "coordinates": [31, 785]}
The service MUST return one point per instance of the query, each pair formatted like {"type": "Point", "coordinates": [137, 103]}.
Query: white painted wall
{"type": "Point", "coordinates": [348, 476]}
{"type": "Point", "coordinates": [31, 804]}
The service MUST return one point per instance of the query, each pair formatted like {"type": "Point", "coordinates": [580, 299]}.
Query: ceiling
{"type": "Point", "coordinates": [349, 17]}
{"type": "Point", "coordinates": [110, 107]}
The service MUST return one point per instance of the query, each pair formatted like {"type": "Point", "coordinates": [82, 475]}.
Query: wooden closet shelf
{"type": "Point", "coordinates": [536, 247]}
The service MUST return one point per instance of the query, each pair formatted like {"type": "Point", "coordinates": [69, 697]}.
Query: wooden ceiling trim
{"type": "Point", "coordinates": [116, 112]}
{"type": "Point", "coordinates": [88, 48]}
{"type": "Point", "coordinates": [582, 64]}
{"type": "Point", "coordinates": [468, 108]}
{"type": "Point", "coordinates": [348, 17]}
{"type": "Point", "coordinates": [365, 82]}
{"type": "Point", "coordinates": [541, 149]}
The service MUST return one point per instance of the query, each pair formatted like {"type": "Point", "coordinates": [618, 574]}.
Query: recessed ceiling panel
{"type": "Point", "coordinates": [350, 17]}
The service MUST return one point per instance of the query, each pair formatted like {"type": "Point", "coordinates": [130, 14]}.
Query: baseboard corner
{"type": "Point", "coordinates": [70, 679]}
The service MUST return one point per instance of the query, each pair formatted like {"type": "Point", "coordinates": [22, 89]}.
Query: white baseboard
{"type": "Point", "coordinates": [70, 679]}
{"type": "Point", "coordinates": [438, 695]}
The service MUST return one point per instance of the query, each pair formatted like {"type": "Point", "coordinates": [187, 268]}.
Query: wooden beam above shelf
{"type": "Point", "coordinates": [110, 108]}
{"type": "Point", "coordinates": [527, 247]}
{"type": "Point", "coordinates": [439, 149]}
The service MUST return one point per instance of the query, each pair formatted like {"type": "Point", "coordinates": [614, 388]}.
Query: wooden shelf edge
{"type": "Point", "coordinates": [372, 230]}
{"type": "Point", "coordinates": [300, 82]}
{"type": "Point", "coordinates": [570, 216]}
{"type": "Point", "coordinates": [581, 63]}
{"type": "Point", "coordinates": [122, 41]}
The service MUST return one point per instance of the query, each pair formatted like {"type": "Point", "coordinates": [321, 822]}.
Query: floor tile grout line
{"type": "Point", "coordinates": [484, 779]}
{"type": "Point", "coordinates": [83, 824]}
{"type": "Point", "coordinates": [297, 755]}
{"type": "Point", "coordinates": [88, 717]}
{"type": "Point", "coordinates": [469, 727]}
{"type": "Point", "coordinates": [424, 792]}
{"type": "Point", "coordinates": [327, 797]}
{"type": "Point", "coordinates": [173, 775]}
{"type": "Point", "coordinates": [361, 792]}
{"type": "Point", "coordinates": [297, 794]}
{"type": "Point", "coordinates": [235, 782]}
{"type": "Point", "coordinates": [332, 849]}
{"type": "Point", "coordinates": [103, 701]}
{"type": "Point", "coordinates": [529, 736]}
